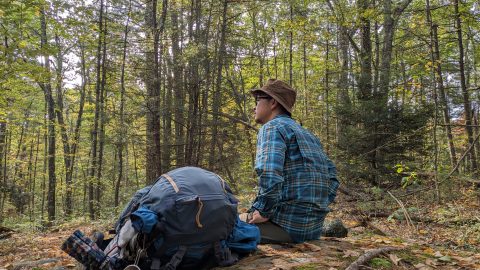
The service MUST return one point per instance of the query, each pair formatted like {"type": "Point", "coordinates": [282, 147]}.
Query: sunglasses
{"type": "Point", "coordinates": [258, 98]}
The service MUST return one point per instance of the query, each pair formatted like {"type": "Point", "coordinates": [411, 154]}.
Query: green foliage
{"type": "Point", "coordinates": [373, 139]}
{"type": "Point", "coordinates": [399, 214]}
{"type": "Point", "coordinates": [380, 263]}
{"type": "Point", "coordinates": [410, 179]}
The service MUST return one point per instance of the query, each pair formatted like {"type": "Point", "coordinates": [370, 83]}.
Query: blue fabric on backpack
{"type": "Point", "coordinates": [143, 220]}
{"type": "Point", "coordinates": [244, 237]}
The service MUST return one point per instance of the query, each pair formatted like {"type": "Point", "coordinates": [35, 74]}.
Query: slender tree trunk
{"type": "Point", "coordinates": [342, 85]}
{"type": "Point", "coordinates": [202, 116]}
{"type": "Point", "coordinates": [45, 163]}
{"type": "Point", "coordinates": [388, 34]}
{"type": "Point", "coordinates": [167, 119]}
{"type": "Point", "coordinates": [18, 155]}
{"type": "Point", "coordinates": [34, 182]}
{"type": "Point", "coordinates": [135, 165]}
{"type": "Point", "coordinates": [377, 55]}
{"type": "Point", "coordinates": [178, 90]}
{"type": "Point", "coordinates": [94, 133]}
{"type": "Point", "coordinates": [443, 97]}
{"type": "Point", "coordinates": [123, 131]}
{"type": "Point", "coordinates": [275, 53]}
{"type": "Point", "coordinates": [102, 120]}
{"type": "Point", "coordinates": [435, 98]}
{"type": "Point", "coordinates": [463, 85]}
{"type": "Point", "coordinates": [193, 111]}
{"type": "Point", "coordinates": [76, 135]}
{"type": "Point", "coordinates": [3, 193]}
{"type": "Point", "coordinates": [327, 96]}
{"type": "Point", "coordinates": [152, 82]}
{"type": "Point", "coordinates": [305, 91]}
{"type": "Point", "coordinates": [218, 87]}
{"type": "Point", "coordinates": [51, 119]}
{"type": "Point", "coordinates": [67, 155]}
{"type": "Point", "coordinates": [30, 179]}
{"type": "Point", "coordinates": [365, 81]}
{"type": "Point", "coordinates": [290, 72]}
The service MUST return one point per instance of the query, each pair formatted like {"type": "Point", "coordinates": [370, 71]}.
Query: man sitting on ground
{"type": "Point", "coordinates": [297, 181]}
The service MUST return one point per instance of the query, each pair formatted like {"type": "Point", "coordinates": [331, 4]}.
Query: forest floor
{"type": "Point", "coordinates": [433, 236]}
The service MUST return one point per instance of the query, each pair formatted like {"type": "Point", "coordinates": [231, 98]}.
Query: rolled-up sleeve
{"type": "Point", "coordinates": [270, 158]}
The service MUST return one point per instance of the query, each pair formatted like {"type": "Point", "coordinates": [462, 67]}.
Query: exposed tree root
{"type": "Point", "coordinates": [365, 258]}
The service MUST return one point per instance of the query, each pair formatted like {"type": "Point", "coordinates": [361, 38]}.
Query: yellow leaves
{"type": "Point", "coordinates": [422, 232]}
{"type": "Point", "coordinates": [384, 241]}
{"type": "Point", "coordinates": [428, 251]}
{"type": "Point", "coordinates": [22, 44]}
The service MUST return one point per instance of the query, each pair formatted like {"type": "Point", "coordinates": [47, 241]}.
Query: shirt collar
{"type": "Point", "coordinates": [282, 115]}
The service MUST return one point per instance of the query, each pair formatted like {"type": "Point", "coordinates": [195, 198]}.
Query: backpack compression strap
{"type": "Point", "coordinates": [170, 180]}
{"type": "Point", "coordinates": [176, 259]}
{"type": "Point", "coordinates": [222, 182]}
{"type": "Point", "coordinates": [223, 255]}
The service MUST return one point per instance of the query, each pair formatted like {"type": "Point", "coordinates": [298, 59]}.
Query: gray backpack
{"type": "Point", "coordinates": [187, 214]}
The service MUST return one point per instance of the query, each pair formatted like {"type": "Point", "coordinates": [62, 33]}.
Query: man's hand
{"type": "Point", "coordinates": [256, 218]}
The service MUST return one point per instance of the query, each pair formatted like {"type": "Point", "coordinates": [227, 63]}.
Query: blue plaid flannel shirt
{"type": "Point", "coordinates": [297, 181]}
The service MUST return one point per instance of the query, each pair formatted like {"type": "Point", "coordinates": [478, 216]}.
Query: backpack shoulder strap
{"type": "Point", "coordinates": [170, 180]}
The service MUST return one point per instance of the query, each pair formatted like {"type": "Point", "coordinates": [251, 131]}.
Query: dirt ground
{"type": "Point", "coordinates": [436, 237]}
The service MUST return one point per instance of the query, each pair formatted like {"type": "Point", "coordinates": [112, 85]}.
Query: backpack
{"type": "Point", "coordinates": [187, 218]}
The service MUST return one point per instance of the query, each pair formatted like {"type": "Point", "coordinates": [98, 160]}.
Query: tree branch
{"type": "Point", "coordinates": [365, 258]}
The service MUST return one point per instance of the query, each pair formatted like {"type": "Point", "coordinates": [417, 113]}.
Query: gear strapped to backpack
{"type": "Point", "coordinates": [187, 218]}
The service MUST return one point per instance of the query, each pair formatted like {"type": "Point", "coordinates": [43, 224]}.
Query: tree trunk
{"type": "Point", "coordinates": [305, 91]}
{"type": "Point", "coordinates": [30, 179]}
{"type": "Point", "coordinates": [326, 97]}
{"type": "Point", "coordinates": [123, 131]}
{"type": "Point", "coordinates": [34, 182]}
{"type": "Point", "coordinates": [45, 164]}
{"type": "Point", "coordinates": [275, 53]}
{"type": "Point", "coordinates": [194, 85]}
{"type": "Point", "coordinates": [19, 156]}
{"type": "Point", "coordinates": [52, 181]}
{"type": "Point", "coordinates": [435, 98]}
{"type": "Point", "coordinates": [290, 70]}
{"type": "Point", "coordinates": [135, 165]}
{"type": "Point", "coordinates": [67, 155]}
{"type": "Point", "coordinates": [94, 133]}
{"type": "Point", "coordinates": [167, 119]}
{"type": "Point", "coordinates": [76, 135]}
{"type": "Point", "coordinates": [3, 158]}
{"type": "Point", "coordinates": [463, 85]}
{"type": "Point", "coordinates": [390, 17]}
{"type": "Point", "coordinates": [342, 84]}
{"type": "Point", "coordinates": [365, 81]}
{"type": "Point", "coordinates": [152, 82]}
{"type": "Point", "coordinates": [442, 95]}
{"type": "Point", "coordinates": [202, 116]}
{"type": "Point", "coordinates": [218, 87]}
{"type": "Point", "coordinates": [377, 54]}
{"type": "Point", "coordinates": [102, 119]}
{"type": "Point", "coordinates": [177, 89]}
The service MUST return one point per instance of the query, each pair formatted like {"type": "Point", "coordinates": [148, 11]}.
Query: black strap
{"type": "Point", "coordinates": [176, 259]}
{"type": "Point", "coordinates": [223, 255]}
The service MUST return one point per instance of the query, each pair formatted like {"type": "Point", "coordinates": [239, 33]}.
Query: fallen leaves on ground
{"type": "Point", "coordinates": [430, 246]}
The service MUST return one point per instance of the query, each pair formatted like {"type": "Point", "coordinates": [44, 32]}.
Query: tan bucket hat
{"type": "Point", "coordinates": [280, 91]}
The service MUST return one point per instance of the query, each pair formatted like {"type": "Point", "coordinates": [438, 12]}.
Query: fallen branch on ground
{"type": "Point", "coordinates": [365, 258]}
